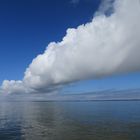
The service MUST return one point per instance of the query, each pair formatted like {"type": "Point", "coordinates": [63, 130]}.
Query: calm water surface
{"type": "Point", "coordinates": [108, 120]}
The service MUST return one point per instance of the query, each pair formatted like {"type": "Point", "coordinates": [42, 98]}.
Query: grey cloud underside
{"type": "Point", "coordinates": [105, 46]}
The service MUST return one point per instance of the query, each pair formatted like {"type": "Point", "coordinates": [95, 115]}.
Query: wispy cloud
{"type": "Point", "coordinates": [75, 2]}
{"type": "Point", "coordinates": [133, 94]}
{"type": "Point", "coordinates": [105, 46]}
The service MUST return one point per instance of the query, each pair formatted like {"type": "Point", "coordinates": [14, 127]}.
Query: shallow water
{"type": "Point", "coordinates": [105, 120]}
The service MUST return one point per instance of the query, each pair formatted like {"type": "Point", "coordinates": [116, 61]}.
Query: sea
{"type": "Point", "coordinates": [70, 120]}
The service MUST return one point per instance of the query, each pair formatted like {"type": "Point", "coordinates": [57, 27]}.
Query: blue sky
{"type": "Point", "coordinates": [27, 26]}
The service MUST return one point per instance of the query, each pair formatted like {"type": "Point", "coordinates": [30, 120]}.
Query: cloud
{"type": "Point", "coordinates": [75, 2]}
{"type": "Point", "coordinates": [13, 87]}
{"type": "Point", "coordinates": [107, 45]}
{"type": "Point", "coordinates": [106, 7]}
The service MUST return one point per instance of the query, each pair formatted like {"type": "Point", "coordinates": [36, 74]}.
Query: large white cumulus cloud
{"type": "Point", "coordinates": [13, 86]}
{"type": "Point", "coordinates": [105, 46]}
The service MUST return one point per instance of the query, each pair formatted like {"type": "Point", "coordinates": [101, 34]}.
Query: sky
{"type": "Point", "coordinates": [28, 26]}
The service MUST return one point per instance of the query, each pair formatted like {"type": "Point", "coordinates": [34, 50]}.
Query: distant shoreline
{"type": "Point", "coordinates": [115, 100]}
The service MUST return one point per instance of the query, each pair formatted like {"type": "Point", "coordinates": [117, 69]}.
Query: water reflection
{"type": "Point", "coordinates": [70, 120]}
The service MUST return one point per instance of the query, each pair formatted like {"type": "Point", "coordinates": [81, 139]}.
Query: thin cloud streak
{"type": "Point", "coordinates": [75, 2]}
